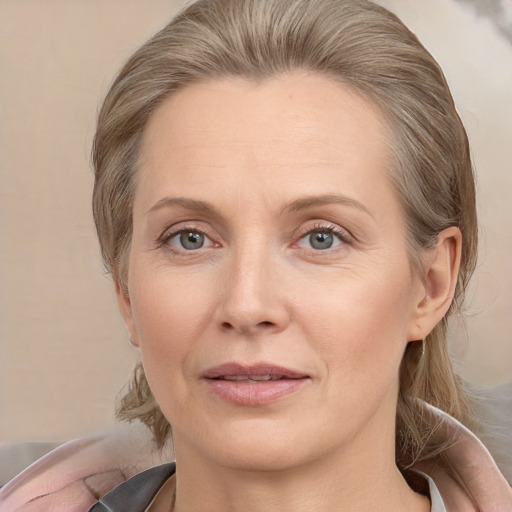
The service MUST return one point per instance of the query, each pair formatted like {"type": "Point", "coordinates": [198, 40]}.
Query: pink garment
{"type": "Point", "coordinates": [74, 476]}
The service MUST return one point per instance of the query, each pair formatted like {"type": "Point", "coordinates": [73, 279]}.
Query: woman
{"type": "Point", "coordinates": [285, 200]}
{"type": "Point", "coordinates": [284, 197]}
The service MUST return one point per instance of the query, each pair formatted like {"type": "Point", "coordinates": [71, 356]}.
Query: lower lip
{"type": "Point", "coordinates": [254, 393]}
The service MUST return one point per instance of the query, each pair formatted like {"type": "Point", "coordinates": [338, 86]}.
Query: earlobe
{"type": "Point", "coordinates": [442, 265]}
{"type": "Point", "coordinates": [125, 307]}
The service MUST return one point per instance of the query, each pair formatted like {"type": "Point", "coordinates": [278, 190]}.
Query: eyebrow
{"type": "Point", "coordinates": [185, 203]}
{"type": "Point", "coordinates": [296, 205]}
{"type": "Point", "coordinates": [313, 201]}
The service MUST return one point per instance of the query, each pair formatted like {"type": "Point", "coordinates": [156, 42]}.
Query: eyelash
{"type": "Point", "coordinates": [343, 236]}
{"type": "Point", "coordinates": [167, 236]}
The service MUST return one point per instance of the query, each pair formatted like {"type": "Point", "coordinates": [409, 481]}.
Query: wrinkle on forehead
{"type": "Point", "coordinates": [230, 133]}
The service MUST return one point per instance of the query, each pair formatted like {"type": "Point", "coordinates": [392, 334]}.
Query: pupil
{"type": "Point", "coordinates": [321, 240]}
{"type": "Point", "coordinates": [192, 240]}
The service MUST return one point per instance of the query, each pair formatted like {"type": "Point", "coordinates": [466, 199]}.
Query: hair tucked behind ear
{"type": "Point", "coordinates": [359, 44]}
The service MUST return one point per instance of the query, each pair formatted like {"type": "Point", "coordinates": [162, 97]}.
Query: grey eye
{"type": "Point", "coordinates": [191, 240]}
{"type": "Point", "coordinates": [188, 239]}
{"type": "Point", "coordinates": [321, 240]}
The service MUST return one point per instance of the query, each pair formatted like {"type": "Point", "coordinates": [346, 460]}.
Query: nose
{"type": "Point", "coordinates": [253, 297]}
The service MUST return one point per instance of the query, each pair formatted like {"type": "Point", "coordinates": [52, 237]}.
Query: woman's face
{"type": "Point", "coordinates": [269, 285]}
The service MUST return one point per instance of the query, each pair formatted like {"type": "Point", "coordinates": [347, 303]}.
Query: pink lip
{"type": "Point", "coordinates": [257, 384]}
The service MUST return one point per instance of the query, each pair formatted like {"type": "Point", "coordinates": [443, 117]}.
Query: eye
{"type": "Point", "coordinates": [321, 239]}
{"type": "Point", "coordinates": [189, 240]}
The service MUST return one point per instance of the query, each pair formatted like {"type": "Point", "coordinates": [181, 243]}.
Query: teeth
{"type": "Point", "coordinates": [253, 378]}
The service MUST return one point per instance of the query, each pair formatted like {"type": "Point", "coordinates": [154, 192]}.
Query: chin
{"type": "Point", "coordinates": [261, 458]}
{"type": "Point", "coordinates": [254, 446]}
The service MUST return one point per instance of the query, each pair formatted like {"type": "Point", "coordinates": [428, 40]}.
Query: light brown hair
{"type": "Point", "coordinates": [356, 43]}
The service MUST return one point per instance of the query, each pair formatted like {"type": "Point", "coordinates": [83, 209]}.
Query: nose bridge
{"type": "Point", "coordinates": [252, 299]}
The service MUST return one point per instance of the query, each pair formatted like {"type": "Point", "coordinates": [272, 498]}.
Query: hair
{"type": "Point", "coordinates": [356, 43]}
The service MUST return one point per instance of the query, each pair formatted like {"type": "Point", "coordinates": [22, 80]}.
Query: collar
{"type": "Point", "coordinates": [136, 494]}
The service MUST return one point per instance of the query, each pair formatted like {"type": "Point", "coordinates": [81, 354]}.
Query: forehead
{"type": "Point", "coordinates": [290, 131]}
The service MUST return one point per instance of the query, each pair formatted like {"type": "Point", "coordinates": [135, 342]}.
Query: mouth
{"type": "Point", "coordinates": [252, 378]}
{"type": "Point", "coordinates": [253, 385]}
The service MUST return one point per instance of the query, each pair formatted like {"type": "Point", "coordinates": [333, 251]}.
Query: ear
{"type": "Point", "coordinates": [125, 307]}
{"type": "Point", "coordinates": [441, 269]}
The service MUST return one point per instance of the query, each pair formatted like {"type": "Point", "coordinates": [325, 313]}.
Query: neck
{"type": "Point", "coordinates": [341, 480]}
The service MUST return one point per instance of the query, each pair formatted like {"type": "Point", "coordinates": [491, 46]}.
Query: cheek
{"type": "Point", "coordinates": [168, 320]}
{"type": "Point", "coordinates": [360, 325]}
{"type": "Point", "coordinates": [169, 314]}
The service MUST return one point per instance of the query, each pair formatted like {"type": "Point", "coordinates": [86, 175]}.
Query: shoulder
{"type": "Point", "coordinates": [78, 472]}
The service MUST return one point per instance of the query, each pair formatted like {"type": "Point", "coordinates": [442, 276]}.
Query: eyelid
{"type": "Point", "coordinates": [181, 227]}
{"type": "Point", "coordinates": [344, 235]}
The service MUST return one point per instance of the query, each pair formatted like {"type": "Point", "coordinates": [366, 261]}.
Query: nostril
{"type": "Point", "coordinates": [229, 326]}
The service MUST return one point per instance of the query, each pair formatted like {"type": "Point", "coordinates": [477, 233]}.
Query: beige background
{"type": "Point", "coordinates": [63, 349]}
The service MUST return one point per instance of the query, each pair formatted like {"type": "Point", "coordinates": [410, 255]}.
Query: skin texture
{"type": "Point", "coordinates": [256, 169]}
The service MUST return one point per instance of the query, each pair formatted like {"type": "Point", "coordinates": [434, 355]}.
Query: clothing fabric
{"type": "Point", "coordinates": [437, 504]}
{"type": "Point", "coordinates": [137, 493]}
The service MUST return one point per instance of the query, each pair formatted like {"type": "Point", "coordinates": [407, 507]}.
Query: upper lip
{"type": "Point", "coordinates": [252, 370]}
